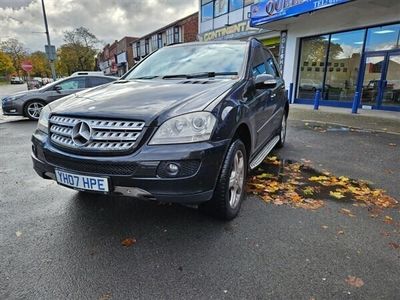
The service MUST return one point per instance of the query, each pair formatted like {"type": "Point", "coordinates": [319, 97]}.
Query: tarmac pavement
{"type": "Point", "coordinates": [56, 243]}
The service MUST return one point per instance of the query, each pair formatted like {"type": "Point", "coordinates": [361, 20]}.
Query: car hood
{"type": "Point", "coordinates": [19, 94]}
{"type": "Point", "coordinates": [143, 100]}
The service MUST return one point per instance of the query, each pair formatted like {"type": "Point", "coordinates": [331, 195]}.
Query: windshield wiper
{"type": "Point", "coordinates": [145, 77]}
{"type": "Point", "coordinates": [200, 75]}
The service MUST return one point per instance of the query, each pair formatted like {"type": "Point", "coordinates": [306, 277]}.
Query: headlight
{"type": "Point", "coordinates": [43, 123]}
{"type": "Point", "coordinates": [189, 128]}
{"type": "Point", "coordinates": [13, 98]}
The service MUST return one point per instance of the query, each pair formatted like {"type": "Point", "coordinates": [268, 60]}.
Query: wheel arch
{"type": "Point", "coordinates": [30, 101]}
{"type": "Point", "coordinates": [243, 133]}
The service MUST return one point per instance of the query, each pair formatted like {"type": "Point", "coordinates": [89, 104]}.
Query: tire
{"type": "Point", "coordinates": [282, 131]}
{"type": "Point", "coordinates": [33, 108]}
{"type": "Point", "coordinates": [230, 190]}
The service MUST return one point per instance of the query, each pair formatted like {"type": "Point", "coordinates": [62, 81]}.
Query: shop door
{"type": "Point", "coordinates": [372, 80]}
{"type": "Point", "coordinates": [381, 80]}
{"type": "Point", "coordinates": [391, 83]}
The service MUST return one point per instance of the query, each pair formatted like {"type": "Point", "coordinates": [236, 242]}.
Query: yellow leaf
{"type": "Point", "coordinates": [318, 178]}
{"type": "Point", "coordinates": [265, 175]}
{"type": "Point", "coordinates": [308, 191]}
{"type": "Point", "coordinates": [337, 195]}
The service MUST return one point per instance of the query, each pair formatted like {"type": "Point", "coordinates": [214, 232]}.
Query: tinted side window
{"type": "Point", "coordinates": [73, 84]}
{"type": "Point", "coordinates": [95, 81]}
{"type": "Point", "coordinates": [258, 63]}
{"type": "Point", "coordinates": [270, 65]}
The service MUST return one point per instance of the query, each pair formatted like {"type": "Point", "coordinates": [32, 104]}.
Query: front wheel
{"type": "Point", "coordinates": [33, 109]}
{"type": "Point", "coordinates": [230, 190]}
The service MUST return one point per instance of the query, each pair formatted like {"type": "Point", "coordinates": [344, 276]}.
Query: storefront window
{"type": "Point", "coordinates": [343, 65]}
{"type": "Point", "coordinates": [312, 65]}
{"type": "Point", "coordinates": [207, 11]}
{"type": "Point", "coordinates": [235, 4]}
{"type": "Point", "coordinates": [383, 38]}
{"type": "Point", "coordinates": [220, 7]}
{"type": "Point", "coordinates": [176, 34]}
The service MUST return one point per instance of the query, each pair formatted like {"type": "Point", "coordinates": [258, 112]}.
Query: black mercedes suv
{"type": "Point", "coordinates": [184, 125]}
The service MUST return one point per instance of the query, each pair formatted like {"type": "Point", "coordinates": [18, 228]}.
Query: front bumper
{"type": "Point", "coordinates": [11, 108]}
{"type": "Point", "coordinates": [144, 165]}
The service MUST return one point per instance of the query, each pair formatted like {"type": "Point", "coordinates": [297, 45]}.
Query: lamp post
{"type": "Point", "coordinates": [51, 58]}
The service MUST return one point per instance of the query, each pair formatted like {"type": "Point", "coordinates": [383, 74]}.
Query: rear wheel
{"type": "Point", "coordinates": [282, 132]}
{"type": "Point", "coordinates": [32, 109]}
{"type": "Point", "coordinates": [230, 190]}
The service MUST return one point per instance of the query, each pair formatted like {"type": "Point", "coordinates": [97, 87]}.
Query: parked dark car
{"type": "Point", "coordinates": [184, 125]}
{"type": "Point", "coordinates": [30, 103]}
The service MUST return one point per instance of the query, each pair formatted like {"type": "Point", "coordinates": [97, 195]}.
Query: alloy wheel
{"type": "Point", "coordinates": [34, 109]}
{"type": "Point", "coordinates": [236, 179]}
{"type": "Point", "coordinates": [283, 129]}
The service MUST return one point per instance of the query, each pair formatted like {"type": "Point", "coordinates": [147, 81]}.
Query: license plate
{"type": "Point", "coordinates": [82, 182]}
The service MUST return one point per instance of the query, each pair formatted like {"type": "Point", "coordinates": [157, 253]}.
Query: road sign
{"type": "Point", "coordinates": [50, 52]}
{"type": "Point", "coordinates": [27, 66]}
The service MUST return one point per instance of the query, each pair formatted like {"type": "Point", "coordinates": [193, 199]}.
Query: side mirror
{"type": "Point", "coordinates": [265, 81]}
{"type": "Point", "coordinates": [58, 88]}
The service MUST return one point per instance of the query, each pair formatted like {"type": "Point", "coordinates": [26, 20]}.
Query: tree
{"type": "Point", "coordinates": [314, 49]}
{"type": "Point", "coordinates": [6, 64]}
{"type": "Point", "coordinates": [40, 63]}
{"type": "Point", "coordinates": [78, 53]}
{"type": "Point", "coordinates": [16, 51]}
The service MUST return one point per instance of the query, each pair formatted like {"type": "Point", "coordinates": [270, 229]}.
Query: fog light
{"type": "Point", "coordinates": [172, 169]}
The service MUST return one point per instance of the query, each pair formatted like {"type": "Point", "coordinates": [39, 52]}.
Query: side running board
{"type": "Point", "coordinates": [264, 152]}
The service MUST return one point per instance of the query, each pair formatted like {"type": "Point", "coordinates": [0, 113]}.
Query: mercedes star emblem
{"type": "Point", "coordinates": [81, 134]}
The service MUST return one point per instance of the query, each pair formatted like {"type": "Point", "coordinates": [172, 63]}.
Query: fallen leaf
{"type": "Point", "coordinates": [355, 281]}
{"type": "Point", "coordinates": [278, 202]}
{"type": "Point", "coordinates": [308, 191]}
{"type": "Point", "coordinates": [388, 220]}
{"type": "Point", "coordinates": [340, 232]}
{"type": "Point", "coordinates": [18, 233]}
{"type": "Point", "coordinates": [128, 242]}
{"type": "Point", "coordinates": [324, 227]}
{"type": "Point", "coordinates": [394, 245]}
{"type": "Point", "coordinates": [265, 175]}
{"type": "Point", "coordinates": [347, 212]}
{"type": "Point", "coordinates": [392, 144]}
{"type": "Point", "coordinates": [337, 195]}
{"type": "Point", "coordinates": [319, 178]}
{"type": "Point", "coordinates": [106, 296]}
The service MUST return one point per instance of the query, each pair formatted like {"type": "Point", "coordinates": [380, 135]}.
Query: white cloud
{"type": "Point", "coordinates": [107, 19]}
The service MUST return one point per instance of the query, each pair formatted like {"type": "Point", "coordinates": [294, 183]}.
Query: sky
{"type": "Point", "coordinates": [109, 20]}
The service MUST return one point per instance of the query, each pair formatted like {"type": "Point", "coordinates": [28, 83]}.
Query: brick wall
{"type": "Point", "coordinates": [190, 28]}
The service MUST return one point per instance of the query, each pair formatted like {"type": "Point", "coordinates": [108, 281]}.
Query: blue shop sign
{"type": "Point", "coordinates": [273, 10]}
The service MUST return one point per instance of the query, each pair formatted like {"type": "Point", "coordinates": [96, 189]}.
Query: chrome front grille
{"type": "Point", "coordinates": [103, 135]}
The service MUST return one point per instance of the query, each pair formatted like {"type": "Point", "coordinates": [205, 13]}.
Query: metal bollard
{"type": "Point", "coordinates": [291, 100]}
{"type": "Point", "coordinates": [356, 103]}
{"type": "Point", "coordinates": [316, 99]}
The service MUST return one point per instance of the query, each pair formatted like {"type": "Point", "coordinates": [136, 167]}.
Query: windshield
{"type": "Point", "coordinates": [220, 59]}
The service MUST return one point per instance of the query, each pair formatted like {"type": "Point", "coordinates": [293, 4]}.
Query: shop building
{"type": "Point", "coordinates": [180, 31]}
{"type": "Point", "coordinates": [124, 57]}
{"type": "Point", "coordinates": [346, 50]}
{"type": "Point", "coordinates": [117, 58]}
{"type": "Point", "coordinates": [229, 19]}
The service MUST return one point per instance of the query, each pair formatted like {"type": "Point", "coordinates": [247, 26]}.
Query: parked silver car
{"type": "Point", "coordinates": [30, 103]}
